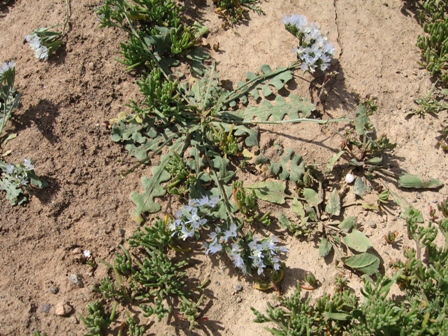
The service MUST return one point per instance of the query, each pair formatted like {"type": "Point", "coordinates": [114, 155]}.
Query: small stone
{"type": "Point", "coordinates": [372, 225]}
{"type": "Point", "coordinates": [76, 279]}
{"type": "Point", "coordinates": [238, 288]}
{"type": "Point", "coordinates": [76, 250]}
{"type": "Point", "coordinates": [62, 309]}
{"type": "Point", "coordinates": [217, 283]}
{"type": "Point", "coordinates": [54, 289]}
{"type": "Point", "coordinates": [239, 299]}
{"type": "Point", "coordinates": [45, 308]}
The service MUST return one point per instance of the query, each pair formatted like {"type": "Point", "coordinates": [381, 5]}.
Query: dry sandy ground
{"type": "Point", "coordinates": [60, 127]}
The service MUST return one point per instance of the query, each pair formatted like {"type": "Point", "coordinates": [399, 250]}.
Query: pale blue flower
{"type": "Point", "coordinates": [214, 247]}
{"type": "Point", "coordinates": [28, 165]}
{"type": "Point", "coordinates": [7, 66]}
{"type": "Point", "coordinates": [231, 233]}
{"type": "Point", "coordinates": [10, 169]}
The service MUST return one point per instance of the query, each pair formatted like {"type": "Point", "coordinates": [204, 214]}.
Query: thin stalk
{"type": "Point", "coordinates": [299, 120]}
{"type": "Point", "coordinates": [68, 14]}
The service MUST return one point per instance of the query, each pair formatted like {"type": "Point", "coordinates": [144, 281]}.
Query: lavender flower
{"type": "Point", "coordinates": [314, 50]}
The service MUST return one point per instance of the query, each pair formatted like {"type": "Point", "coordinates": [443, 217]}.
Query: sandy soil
{"type": "Point", "coordinates": [60, 127]}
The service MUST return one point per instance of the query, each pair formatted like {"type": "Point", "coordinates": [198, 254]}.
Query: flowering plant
{"type": "Point", "coordinates": [246, 251]}
{"type": "Point", "coordinates": [9, 97]}
{"type": "Point", "coordinates": [44, 42]}
{"type": "Point", "coordinates": [314, 51]}
{"type": "Point", "coordinates": [16, 179]}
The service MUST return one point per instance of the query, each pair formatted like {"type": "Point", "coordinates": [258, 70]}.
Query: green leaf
{"type": "Point", "coordinates": [297, 208]}
{"type": "Point", "coordinates": [366, 263]}
{"type": "Point", "coordinates": [347, 224]}
{"type": "Point", "coordinates": [312, 197]}
{"type": "Point", "coordinates": [277, 111]}
{"type": "Point", "coordinates": [271, 191]}
{"type": "Point", "coordinates": [290, 166]}
{"type": "Point", "coordinates": [152, 188]}
{"type": "Point", "coordinates": [333, 206]}
{"type": "Point", "coordinates": [361, 120]}
{"type": "Point", "coordinates": [332, 162]}
{"type": "Point", "coordinates": [324, 248]}
{"type": "Point", "coordinates": [360, 188]}
{"type": "Point", "coordinates": [416, 182]}
{"type": "Point", "coordinates": [357, 241]}
{"type": "Point", "coordinates": [337, 316]}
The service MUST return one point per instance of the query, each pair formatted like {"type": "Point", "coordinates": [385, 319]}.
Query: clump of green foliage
{"type": "Point", "coordinates": [232, 11]}
{"type": "Point", "coordinates": [433, 15]}
{"type": "Point", "coordinates": [97, 321]}
{"type": "Point", "coordinates": [423, 281]}
{"type": "Point", "coordinates": [146, 276]}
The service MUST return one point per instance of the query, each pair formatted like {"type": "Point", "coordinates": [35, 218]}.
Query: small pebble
{"type": "Point", "coordinates": [238, 288]}
{"type": "Point", "coordinates": [45, 308]}
{"type": "Point", "coordinates": [54, 289]}
{"type": "Point", "coordinates": [62, 309]}
{"type": "Point", "coordinates": [239, 299]}
{"type": "Point", "coordinates": [76, 279]}
{"type": "Point", "coordinates": [76, 250]}
{"type": "Point", "coordinates": [373, 225]}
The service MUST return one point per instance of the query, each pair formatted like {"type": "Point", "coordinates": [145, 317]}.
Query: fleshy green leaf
{"type": "Point", "coordinates": [347, 224]}
{"type": "Point", "coordinates": [416, 182]}
{"type": "Point", "coordinates": [311, 197]}
{"type": "Point", "coordinates": [333, 206]}
{"type": "Point", "coordinates": [324, 248]}
{"type": "Point", "coordinates": [271, 191]}
{"type": "Point", "coordinates": [357, 241]}
{"type": "Point", "coordinates": [366, 263]}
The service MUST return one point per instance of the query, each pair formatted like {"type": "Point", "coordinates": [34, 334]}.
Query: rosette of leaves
{"type": "Point", "coordinates": [201, 131]}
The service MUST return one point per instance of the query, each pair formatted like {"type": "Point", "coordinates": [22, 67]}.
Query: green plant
{"type": "Point", "coordinates": [232, 11]}
{"type": "Point", "coordinates": [434, 44]}
{"type": "Point", "coordinates": [432, 103]}
{"type": "Point", "coordinates": [97, 321]}
{"type": "Point", "coordinates": [44, 41]}
{"type": "Point", "coordinates": [9, 97]}
{"type": "Point", "coordinates": [18, 180]}
{"type": "Point", "coordinates": [423, 312]}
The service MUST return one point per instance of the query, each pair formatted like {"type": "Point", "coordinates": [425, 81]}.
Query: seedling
{"type": "Point", "coordinates": [391, 237]}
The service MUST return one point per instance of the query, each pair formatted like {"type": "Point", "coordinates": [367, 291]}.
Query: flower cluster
{"type": "Point", "coordinates": [7, 66]}
{"type": "Point", "coordinates": [247, 253]}
{"type": "Point", "coordinates": [188, 219]}
{"type": "Point", "coordinates": [262, 253]}
{"type": "Point", "coordinates": [314, 50]}
{"type": "Point", "coordinates": [43, 42]}
{"type": "Point", "coordinates": [17, 174]}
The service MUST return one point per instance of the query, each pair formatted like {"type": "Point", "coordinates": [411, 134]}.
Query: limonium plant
{"type": "Point", "coordinates": [17, 179]}
{"type": "Point", "coordinates": [44, 42]}
{"type": "Point", "coordinates": [9, 97]}
{"type": "Point", "coordinates": [314, 51]}
{"type": "Point", "coordinates": [248, 252]}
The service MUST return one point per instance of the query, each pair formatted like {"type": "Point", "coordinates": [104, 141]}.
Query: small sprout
{"type": "Point", "coordinates": [311, 282]}
{"type": "Point", "coordinates": [443, 207]}
{"type": "Point", "coordinates": [391, 237]}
